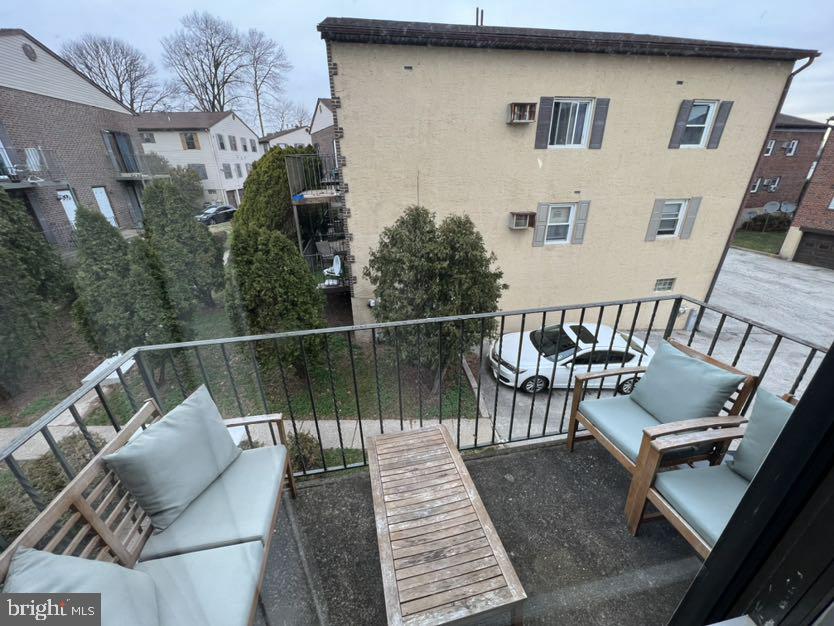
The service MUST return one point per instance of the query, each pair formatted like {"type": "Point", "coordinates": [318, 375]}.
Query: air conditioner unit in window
{"type": "Point", "coordinates": [521, 113]}
{"type": "Point", "coordinates": [520, 221]}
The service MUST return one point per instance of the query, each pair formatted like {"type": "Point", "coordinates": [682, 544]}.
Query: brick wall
{"type": "Point", "coordinates": [792, 170]}
{"type": "Point", "coordinates": [813, 212]}
{"type": "Point", "coordinates": [72, 132]}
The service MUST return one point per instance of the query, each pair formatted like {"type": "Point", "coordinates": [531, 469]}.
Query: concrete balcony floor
{"type": "Point", "coordinates": [559, 515]}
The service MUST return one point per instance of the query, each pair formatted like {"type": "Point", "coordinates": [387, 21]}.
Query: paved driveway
{"type": "Point", "coordinates": [793, 298]}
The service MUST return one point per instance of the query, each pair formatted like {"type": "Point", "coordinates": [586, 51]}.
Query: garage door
{"type": "Point", "coordinates": [816, 249]}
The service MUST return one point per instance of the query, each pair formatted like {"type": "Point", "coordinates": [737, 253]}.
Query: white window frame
{"type": "Point", "coordinates": [147, 137]}
{"type": "Point", "coordinates": [771, 143]}
{"type": "Point", "coordinates": [227, 173]}
{"type": "Point", "coordinates": [792, 146]}
{"type": "Point", "coordinates": [660, 284]}
{"type": "Point", "coordinates": [221, 141]}
{"type": "Point", "coordinates": [571, 218]}
{"type": "Point", "coordinates": [831, 204]}
{"type": "Point", "coordinates": [774, 184]}
{"type": "Point", "coordinates": [756, 184]}
{"type": "Point", "coordinates": [713, 108]}
{"type": "Point", "coordinates": [684, 204]}
{"type": "Point", "coordinates": [238, 170]}
{"type": "Point", "coordinates": [586, 129]}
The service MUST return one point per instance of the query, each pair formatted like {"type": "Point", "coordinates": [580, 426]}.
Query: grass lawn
{"type": "Point", "coordinates": [761, 242]}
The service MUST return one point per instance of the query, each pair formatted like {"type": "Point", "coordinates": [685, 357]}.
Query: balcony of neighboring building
{"type": "Point", "coordinates": [27, 167]}
{"type": "Point", "coordinates": [313, 178]}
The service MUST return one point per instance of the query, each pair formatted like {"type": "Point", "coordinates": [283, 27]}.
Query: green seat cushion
{"type": "Point", "coordinates": [677, 386]}
{"type": "Point", "coordinates": [127, 596]}
{"type": "Point", "coordinates": [621, 420]}
{"type": "Point", "coordinates": [174, 460]}
{"type": "Point", "coordinates": [767, 418]}
{"type": "Point", "coordinates": [705, 497]}
{"type": "Point", "coordinates": [211, 587]}
{"type": "Point", "coordinates": [237, 507]}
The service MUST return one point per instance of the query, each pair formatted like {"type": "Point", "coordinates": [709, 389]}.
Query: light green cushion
{"type": "Point", "coordinates": [767, 418]}
{"type": "Point", "coordinates": [706, 497]}
{"type": "Point", "coordinates": [621, 420]}
{"type": "Point", "coordinates": [127, 596]}
{"type": "Point", "coordinates": [235, 508]}
{"type": "Point", "coordinates": [677, 386]}
{"type": "Point", "coordinates": [211, 587]}
{"type": "Point", "coordinates": [175, 459]}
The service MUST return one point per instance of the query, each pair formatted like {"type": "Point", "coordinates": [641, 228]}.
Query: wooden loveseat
{"type": "Point", "coordinates": [208, 566]}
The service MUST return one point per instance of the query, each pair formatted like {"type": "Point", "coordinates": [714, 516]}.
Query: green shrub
{"type": "Point", "coordinates": [304, 451]}
{"type": "Point", "coordinates": [768, 223]}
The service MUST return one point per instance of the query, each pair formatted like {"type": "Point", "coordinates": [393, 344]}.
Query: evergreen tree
{"type": "Point", "coordinates": [266, 193]}
{"type": "Point", "coordinates": [34, 283]}
{"type": "Point", "coordinates": [422, 270]}
{"type": "Point", "coordinates": [191, 259]}
{"type": "Point", "coordinates": [122, 296]}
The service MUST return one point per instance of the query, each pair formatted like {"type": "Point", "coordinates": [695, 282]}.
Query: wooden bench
{"type": "Point", "coordinates": [96, 517]}
{"type": "Point", "coordinates": [441, 558]}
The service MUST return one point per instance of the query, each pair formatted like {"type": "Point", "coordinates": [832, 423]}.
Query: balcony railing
{"type": "Point", "coordinates": [337, 386]}
{"type": "Point", "coordinates": [142, 167]}
{"type": "Point", "coordinates": [312, 177]}
{"type": "Point", "coordinates": [29, 167]}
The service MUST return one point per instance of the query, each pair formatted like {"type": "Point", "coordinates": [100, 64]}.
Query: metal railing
{"type": "Point", "coordinates": [29, 166]}
{"type": "Point", "coordinates": [337, 386]}
{"type": "Point", "coordinates": [313, 175]}
{"type": "Point", "coordinates": [142, 166]}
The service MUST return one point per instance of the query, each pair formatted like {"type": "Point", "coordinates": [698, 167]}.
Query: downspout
{"type": "Point", "coordinates": [753, 173]}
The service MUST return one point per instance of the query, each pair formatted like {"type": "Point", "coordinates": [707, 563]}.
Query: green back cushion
{"type": "Point", "coordinates": [768, 417]}
{"type": "Point", "coordinates": [677, 386]}
{"type": "Point", "coordinates": [127, 596]}
{"type": "Point", "coordinates": [170, 463]}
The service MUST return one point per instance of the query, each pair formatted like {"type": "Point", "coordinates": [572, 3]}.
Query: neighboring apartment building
{"type": "Point", "coordinates": [784, 165]}
{"type": "Point", "coordinates": [597, 166]}
{"type": "Point", "coordinates": [811, 235]}
{"type": "Point", "coordinates": [219, 146]}
{"type": "Point", "coordinates": [64, 142]}
{"type": "Point", "coordinates": [322, 128]}
{"type": "Point", "coordinates": [297, 137]}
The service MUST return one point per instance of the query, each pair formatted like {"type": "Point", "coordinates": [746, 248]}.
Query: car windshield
{"type": "Point", "coordinates": [211, 210]}
{"type": "Point", "coordinates": [551, 342]}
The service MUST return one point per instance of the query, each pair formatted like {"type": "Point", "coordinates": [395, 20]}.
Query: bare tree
{"type": "Point", "coordinates": [287, 114]}
{"type": "Point", "coordinates": [209, 59]}
{"type": "Point", "coordinates": [121, 70]}
{"type": "Point", "coordinates": [267, 66]}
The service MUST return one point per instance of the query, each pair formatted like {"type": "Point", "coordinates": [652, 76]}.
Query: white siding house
{"type": "Point", "coordinates": [291, 137]}
{"type": "Point", "coordinates": [219, 146]}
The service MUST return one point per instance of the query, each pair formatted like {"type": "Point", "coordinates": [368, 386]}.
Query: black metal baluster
{"type": "Point", "coordinates": [648, 333]}
{"type": "Point", "coordinates": [177, 375]}
{"type": "Point", "coordinates": [259, 382]}
{"type": "Point", "coordinates": [480, 370]}
{"type": "Point", "coordinates": [147, 378]}
{"type": "Point", "coordinates": [399, 379]}
{"type": "Point", "coordinates": [203, 373]}
{"type": "Point", "coordinates": [440, 373]}
{"type": "Point", "coordinates": [356, 395]}
{"type": "Point", "coordinates": [26, 484]}
{"type": "Point", "coordinates": [696, 325]}
{"type": "Point", "coordinates": [289, 408]}
{"type": "Point", "coordinates": [312, 399]}
{"type": "Point", "coordinates": [718, 328]}
{"type": "Point", "coordinates": [58, 453]}
{"type": "Point", "coordinates": [460, 371]}
{"type": "Point", "coordinates": [420, 373]}
{"type": "Point", "coordinates": [241, 412]}
{"type": "Point", "coordinates": [517, 367]}
{"type": "Point", "coordinates": [742, 344]}
{"type": "Point", "coordinates": [131, 400]}
{"type": "Point", "coordinates": [83, 428]}
{"type": "Point", "coordinates": [571, 385]}
{"type": "Point", "coordinates": [553, 373]}
{"type": "Point", "coordinates": [802, 371]}
{"type": "Point", "coordinates": [536, 388]}
{"type": "Point", "coordinates": [376, 377]}
{"type": "Point", "coordinates": [610, 347]}
{"type": "Point", "coordinates": [106, 406]}
{"type": "Point", "coordinates": [497, 381]}
{"type": "Point", "coordinates": [335, 399]}
{"type": "Point", "coordinates": [628, 345]}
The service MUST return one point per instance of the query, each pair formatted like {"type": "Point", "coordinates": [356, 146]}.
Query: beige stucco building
{"type": "Point", "coordinates": [628, 171]}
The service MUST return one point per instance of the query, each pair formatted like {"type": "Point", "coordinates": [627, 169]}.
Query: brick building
{"type": "Point", "coordinates": [811, 236]}
{"type": "Point", "coordinates": [783, 167]}
{"type": "Point", "coordinates": [64, 142]}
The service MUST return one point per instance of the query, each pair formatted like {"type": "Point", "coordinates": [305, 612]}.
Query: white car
{"type": "Point", "coordinates": [583, 348]}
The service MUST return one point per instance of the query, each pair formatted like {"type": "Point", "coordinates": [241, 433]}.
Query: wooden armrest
{"type": "Point", "coordinates": [621, 371]}
{"type": "Point", "coordinates": [249, 420]}
{"type": "Point", "coordinates": [675, 442]}
{"type": "Point", "coordinates": [699, 423]}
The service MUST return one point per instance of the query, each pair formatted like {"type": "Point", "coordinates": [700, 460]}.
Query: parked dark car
{"type": "Point", "coordinates": [217, 214]}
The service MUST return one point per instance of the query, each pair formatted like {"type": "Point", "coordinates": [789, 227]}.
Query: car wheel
{"type": "Point", "coordinates": [534, 384]}
{"type": "Point", "coordinates": [627, 386]}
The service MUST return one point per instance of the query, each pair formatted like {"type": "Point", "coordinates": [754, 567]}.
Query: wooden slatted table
{"type": "Point", "coordinates": [441, 557]}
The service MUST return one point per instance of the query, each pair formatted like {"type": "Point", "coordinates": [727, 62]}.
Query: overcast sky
{"type": "Point", "coordinates": [800, 24]}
